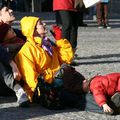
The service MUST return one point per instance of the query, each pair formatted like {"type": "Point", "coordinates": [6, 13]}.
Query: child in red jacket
{"type": "Point", "coordinates": [106, 90]}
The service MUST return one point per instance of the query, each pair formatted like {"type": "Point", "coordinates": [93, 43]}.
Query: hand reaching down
{"type": "Point", "coordinates": [16, 72]}
{"type": "Point", "coordinates": [107, 109]}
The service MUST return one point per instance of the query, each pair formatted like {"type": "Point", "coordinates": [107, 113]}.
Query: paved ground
{"type": "Point", "coordinates": [99, 53]}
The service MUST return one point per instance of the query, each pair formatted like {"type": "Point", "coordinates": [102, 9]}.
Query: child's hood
{"type": "Point", "coordinates": [28, 24]}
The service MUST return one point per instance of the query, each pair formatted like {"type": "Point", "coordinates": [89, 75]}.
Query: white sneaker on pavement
{"type": "Point", "coordinates": [22, 98]}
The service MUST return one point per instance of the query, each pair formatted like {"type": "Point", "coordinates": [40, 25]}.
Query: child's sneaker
{"type": "Point", "coordinates": [107, 26]}
{"type": "Point", "coordinates": [116, 99]}
{"type": "Point", "coordinates": [22, 98]}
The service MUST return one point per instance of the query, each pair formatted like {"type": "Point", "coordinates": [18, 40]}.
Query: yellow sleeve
{"type": "Point", "coordinates": [64, 50]}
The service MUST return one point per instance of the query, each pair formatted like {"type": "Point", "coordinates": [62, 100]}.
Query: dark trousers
{"type": "Point", "coordinates": [102, 13]}
{"type": "Point", "coordinates": [81, 16]}
{"type": "Point", "coordinates": [69, 24]}
{"type": "Point", "coordinates": [83, 102]}
{"type": "Point", "coordinates": [6, 80]}
{"type": "Point", "coordinates": [58, 18]}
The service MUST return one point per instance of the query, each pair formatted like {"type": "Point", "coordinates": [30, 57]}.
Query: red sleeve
{"type": "Point", "coordinates": [98, 91]}
{"type": "Point", "coordinates": [118, 87]}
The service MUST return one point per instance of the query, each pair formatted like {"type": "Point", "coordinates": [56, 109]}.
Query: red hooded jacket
{"type": "Point", "coordinates": [104, 86]}
{"type": "Point", "coordinates": [63, 5]}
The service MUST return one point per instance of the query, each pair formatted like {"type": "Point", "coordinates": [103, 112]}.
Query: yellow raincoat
{"type": "Point", "coordinates": [34, 61]}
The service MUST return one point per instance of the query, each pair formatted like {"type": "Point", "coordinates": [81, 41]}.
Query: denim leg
{"type": "Point", "coordinates": [91, 105]}
{"type": "Point", "coordinates": [6, 80]}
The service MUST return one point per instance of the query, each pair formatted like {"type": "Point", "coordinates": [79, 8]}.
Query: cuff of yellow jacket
{"type": "Point", "coordinates": [63, 43]}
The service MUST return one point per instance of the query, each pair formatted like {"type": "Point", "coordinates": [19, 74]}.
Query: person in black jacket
{"type": "Point", "coordinates": [9, 72]}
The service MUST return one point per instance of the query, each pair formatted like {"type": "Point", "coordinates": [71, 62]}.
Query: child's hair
{"type": "Point", "coordinates": [72, 80]}
{"type": "Point", "coordinates": [3, 31]}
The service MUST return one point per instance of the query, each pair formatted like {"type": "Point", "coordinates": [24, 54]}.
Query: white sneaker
{"type": "Point", "coordinates": [108, 27]}
{"type": "Point", "coordinates": [22, 98]}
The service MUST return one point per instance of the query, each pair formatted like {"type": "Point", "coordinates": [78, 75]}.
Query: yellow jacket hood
{"type": "Point", "coordinates": [28, 25]}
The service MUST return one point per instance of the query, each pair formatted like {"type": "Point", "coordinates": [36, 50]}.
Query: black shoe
{"type": "Point", "coordinates": [74, 63]}
{"type": "Point", "coordinates": [116, 99]}
{"type": "Point", "coordinates": [75, 56]}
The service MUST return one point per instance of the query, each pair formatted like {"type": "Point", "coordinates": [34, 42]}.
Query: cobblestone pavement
{"type": "Point", "coordinates": [99, 53]}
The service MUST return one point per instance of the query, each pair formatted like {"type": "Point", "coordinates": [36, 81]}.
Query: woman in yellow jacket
{"type": "Point", "coordinates": [38, 57]}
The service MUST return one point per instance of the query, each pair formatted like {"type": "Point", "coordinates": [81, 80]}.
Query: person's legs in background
{"type": "Point", "coordinates": [66, 24]}
{"type": "Point", "coordinates": [99, 15]}
{"type": "Point", "coordinates": [58, 18]}
{"type": "Point", "coordinates": [81, 17]}
{"type": "Point", "coordinates": [105, 17]}
{"type": "Point", "coordinates": [74, 31]}
{"type": "Point", "coordinates": [74, 34]}
{"type": "Point", "coordinates": [69, 28]}
{"type": "Point", "coordinates": [93, 12]}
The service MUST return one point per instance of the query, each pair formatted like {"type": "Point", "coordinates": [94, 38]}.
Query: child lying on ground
{"type": "Point", "coordinates": [105, 89]}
